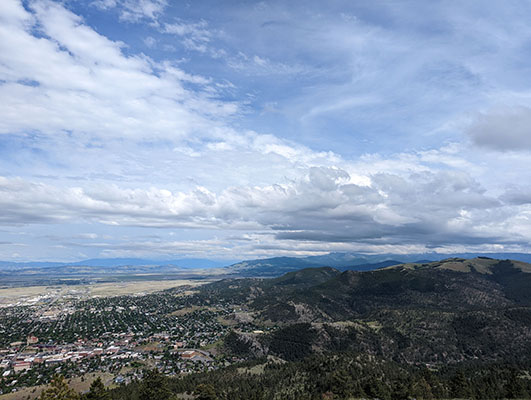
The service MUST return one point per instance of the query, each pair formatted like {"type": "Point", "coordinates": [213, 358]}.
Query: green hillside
{"type": "Point", "coordinates": [445, 311]}
{"type": "Point", "coordinates": [457, 328]}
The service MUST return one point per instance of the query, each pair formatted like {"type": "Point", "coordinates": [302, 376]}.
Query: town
{"type": "Point", "coordinates": [118, 336]}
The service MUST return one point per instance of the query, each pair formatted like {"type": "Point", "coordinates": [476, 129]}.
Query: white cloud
{"type": "Point", "coordinates": [150, 41]}
{"type": "Point", "coordinates": [134, 10]}
{"type": "Point", "coordinates": [101, 139]}
{"type": "Point", "coordinates": [262, 66]}
{"type": "Point", "coordinates": [197, 30]}
{"type": "Point", "coordinates": [321, 205]}
{"type": "Point", "coordinates": [81, 82]}
{"type": "Point", "coordinates": [196, 36]}
{"type": "Point", "coordinates": [137, 9]}
{"type": "Point", "coordinates": [104, 4]}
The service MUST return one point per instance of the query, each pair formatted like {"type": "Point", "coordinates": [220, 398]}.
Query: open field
{"type": "Point", "coordinates": [80, 384]}
{"type": "Point", "coordinates": [17, 292]}
{"type": "Point", "coordinates": [107, 289]}
{"type": "Point", "coordinates": [117, 289]}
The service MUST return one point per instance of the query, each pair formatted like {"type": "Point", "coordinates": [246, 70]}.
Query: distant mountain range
{"type": "Point", "coordinates": [352, 261]}
{"type": "Point", "coordinates": [275, 266]}
{"type": "Point", "coordinates": [198, 263]}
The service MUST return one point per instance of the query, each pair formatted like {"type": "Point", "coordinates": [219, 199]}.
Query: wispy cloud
{"type": "Point", "coordinates": [72, 79]}
{"type": "Point", "coordinates": [195, 36]}
{"type": "Point", "coordinates": [134, 10]}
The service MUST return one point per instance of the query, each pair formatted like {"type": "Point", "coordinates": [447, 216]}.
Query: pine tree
{"type": "Point", "coordinates": [514, 387]}
{"type": "Point", "coordinates": [59, 390]}
{"type": "Point", "coordinates": [205, 391]}
{"type": "Point", "coordinates": [154, 386]}
{"type": "Point", "coordinates": [422, 389]}
{"type": "Point", "coordinates": [460, 386]}
{"type": "Point", "coordinates": [97, 391]}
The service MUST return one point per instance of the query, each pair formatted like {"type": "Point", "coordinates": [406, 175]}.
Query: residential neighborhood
{"type": "Point", "coordinates": [122, 335]}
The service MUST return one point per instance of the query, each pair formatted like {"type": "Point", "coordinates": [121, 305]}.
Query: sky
{"type": "Point", "coordinates": [246, 129]}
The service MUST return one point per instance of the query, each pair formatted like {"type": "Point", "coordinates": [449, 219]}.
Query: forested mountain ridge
{"type": "Point", "coordinates": [457, 328]}
{"type": "Point", "coordinates": [276, 266]}
{"type": "Point", "coordinates": [441, 312]}
{"type": "Point", "coordinates": [452, 284]}
{"type": "Point", "coordinates": [451, 329]}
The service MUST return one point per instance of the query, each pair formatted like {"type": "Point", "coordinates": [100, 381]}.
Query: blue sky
{"type": "Point", "coordinates": [149, 128]}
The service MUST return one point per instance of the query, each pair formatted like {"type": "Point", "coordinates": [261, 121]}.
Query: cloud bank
{"type": "Point", "coordinates": [508, 130]}
{"type": "Point", "coordinates": [124, 149]}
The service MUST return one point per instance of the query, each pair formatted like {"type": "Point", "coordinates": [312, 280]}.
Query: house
{"type": "Point", "coordinates": [21, 366]}
{"type": "Point", "coordinates": [39, 359]}
{"type": "Point", "coordinates": [32, 340]}
{"type": "Point", "coordinates": [112, 350]}
{"type": "Point", "coordinates": [189, 354]}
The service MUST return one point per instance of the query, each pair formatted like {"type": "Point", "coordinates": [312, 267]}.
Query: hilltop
{"type": "Point", "coordinates": [453, 283]}
{"type": "Point", "coordinates": [450, 310]}
{"type": "Point", "coordinates": [276, 266]}
{"type": "Point", "coordinates": [483, 265]}
{"type": "Point", "coordinates": [454, 328]}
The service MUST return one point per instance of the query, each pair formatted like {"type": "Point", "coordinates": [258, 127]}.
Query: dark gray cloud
{"type": "Point", "coordinates": [323, 208]}
{"type": "Point", "coordinates": [517, 195]}
{"type": "Point", "coordinates": [503, 130]}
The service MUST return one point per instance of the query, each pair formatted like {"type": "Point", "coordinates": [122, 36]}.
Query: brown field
{"type": "Point", "coordinates": [76, 383]}
{"type": "Point", "coordinates": [152, 346]}
{"type": "Point", "coordinates": [113, 289]}
{"type": "Point", "coordinates": [13, 295]}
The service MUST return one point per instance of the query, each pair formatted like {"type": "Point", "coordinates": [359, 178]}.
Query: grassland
{"type": "Point", "coordinates": [108, 289]}
{"type": "Point", "coordinates": [80, 384]}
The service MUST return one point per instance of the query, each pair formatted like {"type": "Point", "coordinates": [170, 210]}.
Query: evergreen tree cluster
{"type": "Point", "coordinates": [59, 390]}
{"type": "Point", "coordinates": [337, 376]}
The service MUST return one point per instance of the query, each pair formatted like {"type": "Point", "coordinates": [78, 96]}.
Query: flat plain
{"type": "Point", "coordinates": [105, 289]}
